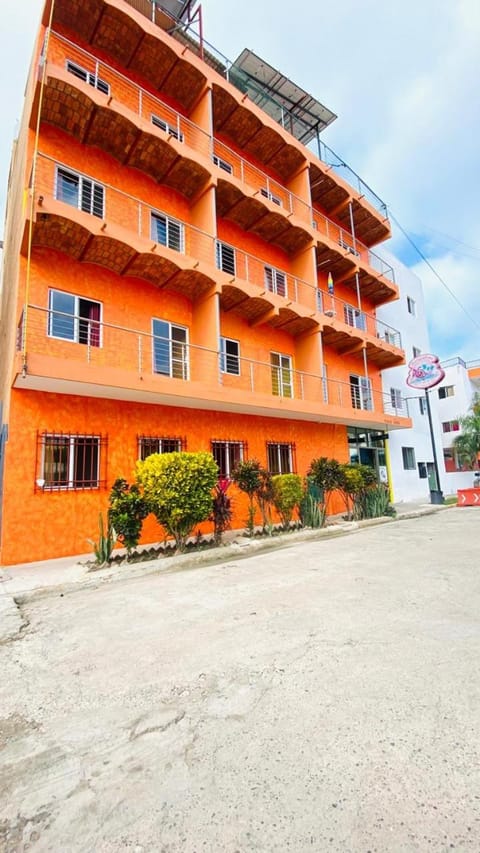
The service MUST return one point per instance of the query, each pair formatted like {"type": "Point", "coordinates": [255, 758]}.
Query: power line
{"type": "Point", "coordinates": [436, 274]}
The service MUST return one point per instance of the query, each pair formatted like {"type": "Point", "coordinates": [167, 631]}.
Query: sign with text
{"type": "Point", "coordinates": [424, 372]}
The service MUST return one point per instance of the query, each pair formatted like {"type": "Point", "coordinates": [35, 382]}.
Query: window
{"type": "Point", "coordinates": [73, 318]}
{"type": "Point", "coordinates": [227, 454]}
{"type": "Point", "coordinates": [411, 307]}
{"type": "Point", "coordinates": [408, 456]}
{"type": "Point", "coordinates": [396, 398]}
{"type": "Point", "coordinates": [361, 392]}
{"type": "Point", "coordinates": [281, 368]}
{"type": "Point", "coordinates": [392, 337]}
{"type": "Point", "coordinates": [88, 77]}
{"type": "Point", "coordinates": [225, 256]}
{"type": "Point", "coordinates": [319, 301]}
{"type": "Point", "coordinates": [280, 458]}
{"type": "Point", "coordinates": [275, 281]}
{"type": "Point", "coordinates": [348, 246]}
{"type": "Point", "coordinates": [168, 232]}
{"type": "Point", "coordinates": [354, 317]}
{"type": "Point", "coordinates": [416, 352]}
{"type": "Point", "coordinates": [422, 405]}
{"type": "Point", "coordinates": [168, 128]}
{"type": "Point", "coordinates": [446, 391]}
{"type": "Point", "coordinates": [148, 444]}
{"type": "Point", "coordinates": [450, 426]}
{"type": "Point", "coordinates": [229, 356]}
{"type": "Point", "coordinates": [80, 192]}
{"type": "Point", "coordinates": [170, 349]}
{"type": "Point", "coordinates": [271, 197]}
{"type": "Point", "coordinates": [422, 470]}
{"type": "Point", "coordinates": [223, 164]}
{"type": "Point", "coordinates": [70, 461]}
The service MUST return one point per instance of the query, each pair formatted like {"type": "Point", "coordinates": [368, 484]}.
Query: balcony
{"type": "Point", "coordinates": [101, 107]}
{"type": "Point", "coordinates": [73, 354]}
{"type": "Point", "coordinates": [96, 223]}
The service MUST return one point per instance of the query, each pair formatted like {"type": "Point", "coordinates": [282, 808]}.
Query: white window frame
{"type": "Point", "coordinates": [422, 405]}
{"type": "Point", "coordinates": [173, 360]}
{"type": "Point", "coordinates": [278, 448]}
{"type": "Point", "coordinates": [77, 320]}
{"type": "Point", "coordinates": [275, 199]}
{"type": "Point", "coordinates": [446, 391]}
{"type": "Point", "coordinates": [276, 281]}
{"type": "Point", "coordinates": [396, 398]}
{"type": "Point", "coordinates": [161, 442]}
{"type": "Point", "coordinates": [172, 241]}
{"type": "Point", "coordinates": [229, 360]}
{"type": "Point", "coordinates": [87, 76]}
{"type": "Point", "coordinates": [354, 317]}
{"type": "Point", "coordinates": [230, 448]}
{"type": "Point", "coordinates": [451, 426]}
{"type": "Point", "coordinates": [408, 459]}
{"type": "Point", "coordinates": [416, 352]}
{"type": "Point", "coordinates": [222, 164]}
{"type": "Point", "coordinates": [411, 306]}
{"type": "Point", "coordinates": [282, 374]}
{"type": "Point", "coordinates": [162, 124]}
{"type": "Point", "coordinates": [361, 392]}
{"type": "Point", "coordinates": [70, 483]}
{"type": "Point", "coordinates": [224, 262]}
{"type": "Point", "coordinates": [85, 186]}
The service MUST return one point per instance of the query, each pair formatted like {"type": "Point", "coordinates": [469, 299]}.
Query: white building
{"type": "Point", "coordinates": [412, 469]}
{"type": "Point", "coordinates": [454, 398]}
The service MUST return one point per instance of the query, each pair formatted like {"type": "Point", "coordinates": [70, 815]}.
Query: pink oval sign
{"type": "Point", "coordinates": [424, 372]}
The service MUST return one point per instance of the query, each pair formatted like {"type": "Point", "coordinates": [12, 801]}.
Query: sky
{"type": "Point", "coordinates": [402, 77]}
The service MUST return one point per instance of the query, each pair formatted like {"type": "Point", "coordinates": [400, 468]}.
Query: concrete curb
{"type": "Point", "coordinates": [216, 556]}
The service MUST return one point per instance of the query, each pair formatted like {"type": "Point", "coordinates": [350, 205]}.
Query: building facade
{"type": "Point", "coordinates": [455, 395]}
{"type": "Point", "coordinates": [181, 273]}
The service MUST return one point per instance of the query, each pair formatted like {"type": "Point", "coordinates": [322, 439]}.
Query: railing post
{"type": "Point", "coordinates": [140, 356]}
{"type": "Point", "coordinates": [302, 396]}
{"type": "Point", "coordinates": [140, 102]}
{"type": "Point", "coordinates": [252, 380]}
{"type": "Point", "coordinates": [247, 274]}
{"type": "Point", "coordinates": [242, 173]}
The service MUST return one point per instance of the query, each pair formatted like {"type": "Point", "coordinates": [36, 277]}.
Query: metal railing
{"type": "Point", "coordinates": [77, 339]}
{"type": "Point", "coordinates": [343, 170]}
{"type": "Point", "coordinates": [323, 225]}
{"type": "Point", "coordinates": [350, 314]}
{"type": "Point", "coordinates": [130, 95]}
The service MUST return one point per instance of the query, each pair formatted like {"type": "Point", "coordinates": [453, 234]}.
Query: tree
{"type": "Point", "coordinates": [178, 489]}
{"type": "Point", "coordinates": [467, 444]}
{"type": "Point", "coordinates": [287, 494]}
{"type": "Point", "coordinates": [248, 477]}
{"type": "Point", "coordinates": [126, 513]}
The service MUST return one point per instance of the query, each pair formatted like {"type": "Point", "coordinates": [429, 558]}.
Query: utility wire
{"type": "Point", "coordinates": [436, 274]}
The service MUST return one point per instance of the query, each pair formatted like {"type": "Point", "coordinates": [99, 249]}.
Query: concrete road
{"type": "Point", "coordinates": [322, 697]}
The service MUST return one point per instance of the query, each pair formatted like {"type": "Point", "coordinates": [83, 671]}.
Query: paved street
{"type": "Point", "coordinates": [321, 697]}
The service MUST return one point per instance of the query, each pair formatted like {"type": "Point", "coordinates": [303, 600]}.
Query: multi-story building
{"type": "Point", "coordinates": [169, 243]}
{"type": "Point", "coordinates": [455, 395]}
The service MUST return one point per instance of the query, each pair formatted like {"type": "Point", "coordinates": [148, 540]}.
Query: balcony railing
{"type": "Point", "coordinates": [344, 171]}
{"type": "Point", "coordinates": [158, 114]}
{"type": "Point", "coordinates": [78, 338]}
{"type": "Point", "coordinates": [353, 316]}
{"type": "Point", "coordinates": [345, 240]}
{"type": "Point", "coordinates": [120, 208]}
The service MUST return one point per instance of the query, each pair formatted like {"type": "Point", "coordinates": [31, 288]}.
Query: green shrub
{"type": "Point", "coordinates": [325, 475]}
{"type": "Point", "coordinates": [375, 502]}
{"type": "Point", "coordinates": [178, 490]}
{"type": "Point", "coordinates": [221, 510]}
{"type": "Point", "coordinates": [287, 494]}
{"type": "Point", "coordinates": [106, 542]}
{"type": "Point", "coordinates": [311, 511]}
{"type": "Point", "coordinates": [127, 511]}
{"type": "Point", "coordinates": [247, 474]}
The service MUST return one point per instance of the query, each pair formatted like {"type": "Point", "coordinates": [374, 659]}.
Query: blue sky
{"type": "Point", "coordinates": [403, 79]}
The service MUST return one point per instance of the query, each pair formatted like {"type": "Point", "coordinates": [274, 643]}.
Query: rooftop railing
{"type": "Point", "coordinates": [79, 338]}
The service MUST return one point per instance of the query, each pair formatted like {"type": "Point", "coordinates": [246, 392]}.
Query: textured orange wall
{"type": "Point", "coordinates": [41, 525]}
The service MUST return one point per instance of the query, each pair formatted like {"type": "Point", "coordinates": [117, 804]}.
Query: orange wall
{"type": "Point", "coordinates": [62, 521]}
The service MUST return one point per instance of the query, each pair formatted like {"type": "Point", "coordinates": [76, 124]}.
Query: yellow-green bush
{"type": "Point", "coordinates": [287, 494]}
{"type": "Point", "coordinates": [178, 489]}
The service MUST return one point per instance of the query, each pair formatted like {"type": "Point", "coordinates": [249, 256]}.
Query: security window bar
{"type": "Point", "coordinates": [281, 370]}
{"type": "Point", "coordinates": [71, 461]}
{"type": "Point", "coordinates": [80, 192]}
{"type": "Point", "coordinates": [396, 398]}
{"type": "Point", "coordinates": [170, 349]}
{"type": "Point", "coordinates": [446, 391]}
{"type": "Point", "coordinates": [230, 356]}
{"type": "Point", "coordinates": [227, 455]}
{"type": "Point", "coordinates": [88, 77]}
{"type": "Point", "coordinates": [275, 281]}
{"type": "Point", "coordinates": [271, 197]}
{"type": "Point", "coordinates": [73, 318]}
{"type": "Point", "coordinates": [354, 317]}
{"type": "Point", "coordinates": [223, 164]}
{"type": "Point", "coordinates": [168, 232]}
{"type": "Point", "coordinates": [408, 456]}
{"type": "Point", "coordinates": [148, 444]}
{"type": "Point", "coordinates": [168, 128]}
{"type": "Point", "coordinates": [280, 458]}
{"type": "Point", "coordinates": [361, 392]}
{"type": "Point", "coordinates": [225, 257]}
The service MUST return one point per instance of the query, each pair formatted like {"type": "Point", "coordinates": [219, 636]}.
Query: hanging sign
{"type": "Point", "coordinates": [424, 372]}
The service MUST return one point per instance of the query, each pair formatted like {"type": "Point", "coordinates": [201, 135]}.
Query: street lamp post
{"type": "Point", "coordinates": [424, 373]}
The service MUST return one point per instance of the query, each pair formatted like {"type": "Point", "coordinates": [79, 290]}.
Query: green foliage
{"type": "Point", "coordinates": [248, 477]}
{"type": "Point", "coordinates": [311, 511]}
{"type": "Point", "coordinates": [106, 541]}
{"type": "Point", "coordinates": [264, 496]}
{"type": "Point", "coordinates": [374, 502]}
{"type": "Point", "coordinates": [287, 494]}
{"type": "Point", "coordinates": [178, 490]}
{"type": "Point", "coordinates": [126, 513]}
{"type": "Point", "coordinates": [325, 475]}
{"type": "Point", "coordinates": [221, 510]}
{"type": "Point", "coordinates": [467, 444]}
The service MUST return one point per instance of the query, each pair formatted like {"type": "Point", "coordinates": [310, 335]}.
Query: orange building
{"type": "Point", "coordinates": [168, 247]}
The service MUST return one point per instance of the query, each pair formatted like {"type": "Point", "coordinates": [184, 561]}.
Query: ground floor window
{"type": "Point", "coordinates": [227, 454]}
{"type": "Point", "coordinates": [148, 444]}
{"type": "Point", "coordinates": [71, 461]}
{"type": "Point", "coordinates": [280, 457]}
